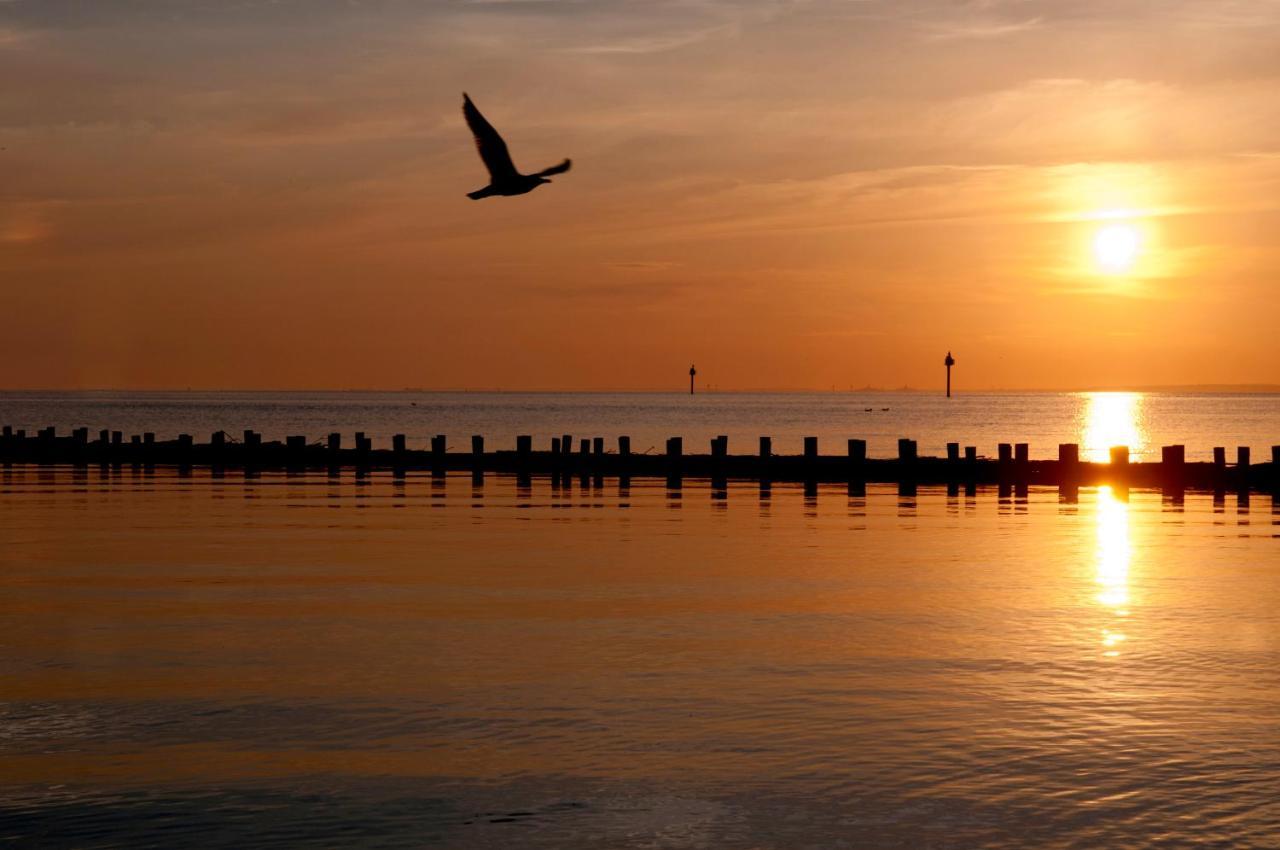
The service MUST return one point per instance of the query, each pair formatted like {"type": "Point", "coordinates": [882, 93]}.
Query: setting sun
{"type": "Point", "coordinates": [1116, 247]}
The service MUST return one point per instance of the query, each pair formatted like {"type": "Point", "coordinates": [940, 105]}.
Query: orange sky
{"type": "Point", "coordinates": [790, 193]}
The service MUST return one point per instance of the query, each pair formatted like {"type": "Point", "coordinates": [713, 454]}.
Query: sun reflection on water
{"type": "Point", "coordinates": [1114, 554]}
{"type": "Point", "coordinates": [1112, 419]}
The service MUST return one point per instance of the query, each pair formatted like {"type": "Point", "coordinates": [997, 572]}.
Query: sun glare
{"type": "Point", "coordinates": [1116, 247]}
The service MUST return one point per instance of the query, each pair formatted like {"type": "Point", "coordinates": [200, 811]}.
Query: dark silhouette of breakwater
{"type": "Point", "coordinates": [1012, 465]}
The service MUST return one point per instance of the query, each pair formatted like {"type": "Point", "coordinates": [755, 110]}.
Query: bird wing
{"type": "Point", "coordinates": [555, 169]}
{"type": "Point", "coordinates": [490, 145]}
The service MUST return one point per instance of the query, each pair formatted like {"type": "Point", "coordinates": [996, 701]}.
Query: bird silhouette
{"type": "Point", "coordinates": [503, 177]}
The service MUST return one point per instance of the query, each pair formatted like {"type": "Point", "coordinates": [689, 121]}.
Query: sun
{"type": "Point", "coordinates": [1116, 247]}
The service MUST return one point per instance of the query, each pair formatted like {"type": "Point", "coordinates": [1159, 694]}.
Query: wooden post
{"type": "Point", "coordinates": [1242, 468]}
{"type": "Point", "coordinates": [1004, 462]}
{"type": "Point", "coordinates": [1275, 471]}
{"type": "Point", "coordinates": [810, 459]}
{"type": "Point", "coordinates": [675, 448]}
{"type": "Point", "coordinates": [906, 461]}
{"type": "Point", "coordinates": [1120, 465]}
{"type": "Point", "coordinates": [1021, 463]}
{"type": "Point", "coordinates": [1068, 463]}
{"type": "Point", "coordinates": [624, 460]}
{"type": "Point", "coordinates": [437, 455]}
{"type": "Point", "coordinates": [857, 460]}
{"type": "Point", "coordinates": [295, 445]}
{"type": "Point", "coordinates": [1172, 466]}
{"type": "Point", "coordinates": [719, 453]}
{"type": "Point", "coordinates": [857, 471]}
{"type": "Point", "coordinates": [398, 443]}
{"type": "Point", "coordinates": [524, 446]}
{"type": "Point", "coordinates": [477, 453]}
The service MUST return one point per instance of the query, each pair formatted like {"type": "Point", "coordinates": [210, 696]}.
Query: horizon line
{"type": "Point", "coordinates": [1207, 388]}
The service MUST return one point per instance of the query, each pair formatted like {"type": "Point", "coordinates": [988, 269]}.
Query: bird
{"type": "Point", "coordinates": [503, 177]}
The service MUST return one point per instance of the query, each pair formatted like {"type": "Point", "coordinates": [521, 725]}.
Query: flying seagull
{"type": "Point", "coordinates": [503, 177]}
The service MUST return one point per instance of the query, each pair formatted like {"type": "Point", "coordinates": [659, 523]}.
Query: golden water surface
{"type": "Point", "coordinates": [306, 661]}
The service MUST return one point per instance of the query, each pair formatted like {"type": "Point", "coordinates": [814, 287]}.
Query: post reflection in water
{"type": "Point", "coordinates": [1114, 554]}
{"type": "Point", "coordinates": [1112, 419]}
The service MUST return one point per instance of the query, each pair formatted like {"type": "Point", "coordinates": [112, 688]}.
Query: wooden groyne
{"type": "Point", "coordinates": [591, 458]}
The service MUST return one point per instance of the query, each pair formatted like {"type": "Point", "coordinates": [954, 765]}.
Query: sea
{"type": "Point", "coordinates": [199, 658]}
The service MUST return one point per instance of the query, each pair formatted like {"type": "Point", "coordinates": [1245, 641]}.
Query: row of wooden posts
{"type": "Point", "coordinates": [1012, 464]}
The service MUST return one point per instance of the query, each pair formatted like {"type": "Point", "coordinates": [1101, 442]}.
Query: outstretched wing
{"type": "Point", "coordinates": [555, 169]}
{"type": "Point", "coordinates": [490, 145]}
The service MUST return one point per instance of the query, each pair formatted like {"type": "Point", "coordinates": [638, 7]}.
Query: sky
{"type": "Point", "coordinates": [792, 194]}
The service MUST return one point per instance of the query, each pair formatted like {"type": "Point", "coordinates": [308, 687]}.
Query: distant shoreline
{"type": "Point", "coordinates": [1193, 389]}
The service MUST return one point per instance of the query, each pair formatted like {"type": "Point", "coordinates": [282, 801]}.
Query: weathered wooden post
{"type": "Point", "coordinates": [1219, 468]}
{"type": "Point", "coordinates": [185, 445]}
{"type": "Point", "coordinates": [1173, 468]}
{"type": "Point", "coordinates": [597, 459]}
{"type": "Point", "coordinates": [1275, 470]}
{"type": "Point", "coordinates": [524, 449]}
{"type": "Point", "coordinates": [79, 445]}
{"type": "Point", "coordinates": [557, 461]}
{"type": "Point", "coordinates": [1004, 462]}
{"type": "Point", "coordinates": [906, 467]}
{"type": "Point", "coordinates": [44, 444]}
{"type": "Point", "coordinates": [1242, 468]}
{"type": "Point", "coordinates": [295, 445]}
{"type": "Point", "coordinates": [1069, 473]}
{"type": "Point", "coordinates": [719, 455]}
{"type": "Point", "coordinates": [477, 453]}
{"type": "Point", "coordinates": [1021, 464]}
{"type": "Point", "coordinates": [953, 472]}
{"type": "Point", "coordinates": [1120, 465]}
{"type": "Point", "coordinates": [624, 460]}
{"type": "Point", "coordinates": [252, 444]}
{"type": "Point", "coordinates": [437, 455]}
{"type": "Point", "coordinates": [765, 463]}
{"type": "Point", "coordinates": [675, 448]}
{"type": "Point", "coordinates": [857, 467]}
{"type": "Point", "coordinates": [970, 470]}
{"type": "Point", "coordinates": [398, 460]}
{"type": "Point", "coordinates": [810, 461]}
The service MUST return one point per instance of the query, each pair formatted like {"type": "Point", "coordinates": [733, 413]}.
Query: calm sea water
{"type": "Point", "coordinates": [313, 662]}
{"type": "Point", "coordinates": [1095, 420]}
